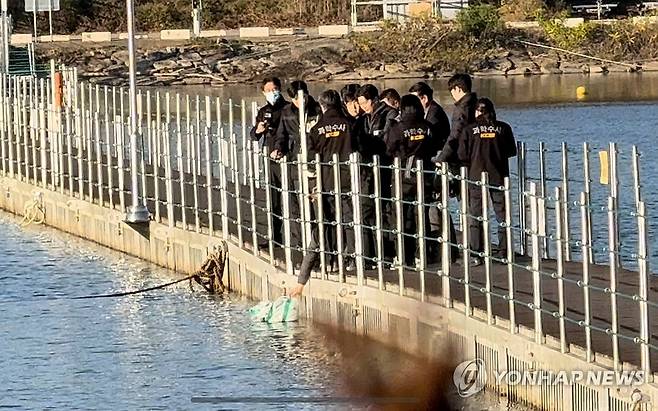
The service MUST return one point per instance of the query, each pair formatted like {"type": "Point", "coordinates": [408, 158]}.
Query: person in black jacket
{"type": "Point", "coordinates": [287, 142]}
{"type": "Point", "coordinates": [464, 113]}
{"type": "Point", "coordinates": [333, 134]}
{"type": "Point", "coordinates": [267, 122]}
{"type": "Point", "coordinates": [348, 95]}
{"type": "Point", "coordinates": [268, 116]}
{"type": "Point", "coordinates": [372, 126]}
{"type": "Point", "coordinates": [434, 114]}
{"type": "Point", "coordinates": [410, 140]}
{"type": "Point", "coordinates": [486, 145]}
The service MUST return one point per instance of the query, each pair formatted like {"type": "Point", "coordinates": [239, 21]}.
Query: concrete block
{"type": "Point", "coordinates": [574, 22]}
{"type": "Point", "coordinates": [21, 39]}
{"type": "Point", "coordinates": [366, 29]}
{"type": "Point", "coordinates": [254, 31]}
{"type": "Point", "coordinates": [97, 37]}
{"type": "Point", "coordinates": [334, 30]}
{"type": "Point", "coordinates": [175, 35]}
{"type": "Point", "coordinates": [56, 38]}
{"type": "Point", "coordinates": [522, 24]}
{"type": "Point", "coordinates": [212, 33]}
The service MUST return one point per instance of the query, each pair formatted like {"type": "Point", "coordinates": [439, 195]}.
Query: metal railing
{"type": "Point", "coordinates": [200, 172]}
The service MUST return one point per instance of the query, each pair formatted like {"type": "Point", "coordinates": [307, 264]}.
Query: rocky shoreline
{"type": "Point", "coordinates": [231, 62]}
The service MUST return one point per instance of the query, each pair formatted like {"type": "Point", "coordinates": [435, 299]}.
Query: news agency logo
{"type": "Point", "coordinates": [470, 377]}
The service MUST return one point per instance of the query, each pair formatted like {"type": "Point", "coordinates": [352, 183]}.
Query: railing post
{"type": "Point", "coordinates": [587, 186]}
{"type": "Point", "coordinates": [379, 234]}
{"type": "Point", "coordinates": [484, 182]}
{"type": "Point", "coordinates": [285, 188]}
{"type": "Point", "coordinates": [338, 217]}
{"type": "Point", "coordinates": [421, 229]}
{"type": "Point", "coordinates": [565, 203]}
{"type": "Point", "coordinates": [510, 255]}
{"type": "Point", "coordinates": [209, 182]}
{"type": "Point", "coordinates": [466, 256]}
{"type": "Point", "coordinates": [559, 271]}
{"type": "Point", "coordinates": [252, 203]}
{"type": "Point", "coordinates": [181, 178]}
{"type": "Point", "coordinates": [536, 266]}
{"type": "Point", "coordinates": [268, 204]}
{"type": "Point", "coordinates": [585, 281]}
{"type": "Point", "coordinates": [99, 157]}
{"type": "Point", "coordinates": [521, 169]}
{"type": "Point", "coordinates": [542, 178]}
{"type": "Point", "coordinates": [612, 255]}
{"type": "Point", "coordinates": [195, 178]}
{"type": "Point", "coordinates": [643, 263]}
{"type": "Point", "coordinates": [319, 198]}
{"type": "Point", "coordinates": [399, 222]}
{"type": "Point", "coordinates": [357, 217]}
{"type": "Point", "coordinates": [120, 130]}
{"type": "Point", "coordinates": [168, 176]}
{"type": "Point", "coordinates": [446, 247]}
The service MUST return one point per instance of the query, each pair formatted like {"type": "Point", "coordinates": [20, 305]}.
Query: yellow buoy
{"type": "Point", "coordinates": [581, 92]}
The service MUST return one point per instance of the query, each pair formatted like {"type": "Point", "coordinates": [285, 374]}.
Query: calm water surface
{"type": "Point", "coordinates": [146, 351]}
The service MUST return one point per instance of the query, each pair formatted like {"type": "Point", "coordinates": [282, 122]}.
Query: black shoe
{"type": "Point", "coordinates": [472, 262]}
{"type": "Point", "coordinates": [350, 266]}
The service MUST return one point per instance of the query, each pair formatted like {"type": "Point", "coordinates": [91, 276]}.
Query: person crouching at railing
{"type": "Point", "coordinates": [486, 146]}
{"type": "Point", "coordinates": [333, 134]}
{"type": "Point", "coordinates": [411, 140]}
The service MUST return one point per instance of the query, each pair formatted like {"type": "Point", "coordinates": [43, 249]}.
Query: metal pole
{"type": "Point", "coordinates": [542, 179]}
{"type": "Point", "coordinates": [559, 260]}
{"type": "Point", "coordinates": [643, 256]}
{"type": "Point", "coordinates": [99, 157]}
{"type": "Point", "coordinates": [587, 184]}
{"type": "Point", "coordinates": [379, 234]}
{"type": "Point", "coordinates": [339, 217]}
{"type": "Point", "coordinates": [285, 189]}
{"type": "Point", "coordinates": [252, 202]}
{"type": "Point", "coordinates": [614, 189]}
{"type": "Point", "coordinates": [565, 203]}
{"type": "Point", "coordinates": [399, 221]}
{"type": "Point", "coordinates": [465, 241]}
{"type": "Point", "coordinates": [195, 181]}
{"type": "Point", "coordinates": [420, 228]}
{"type": "Point", "coordinates": [520, 161]}
{"type": "Point", "coordinates": [536, 278]}
{"type": "Point", "coordinates": [168, 177]}
{"type": "Point", "coordinates": [510, 255]}
{"type": "Point", "coordinates": [585, 282]}
{"type": "Point", "coordinates": [138, 213]}
{"type": "Point", "coordinates": [612, 255]}
{"type": "Point", "coordinates": [487, 245]}
{"type": "Point", "coordinates": [268, 206]}
{"type": "Point", "coordinates": [446, 251]}
{"type": "Point", "coordinates": [358, 221]}
{"type": "Point", "coordinates": [211, 226]}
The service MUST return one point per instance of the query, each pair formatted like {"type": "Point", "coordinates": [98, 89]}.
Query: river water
{"type": "Point", "coordinates": [157, 350]}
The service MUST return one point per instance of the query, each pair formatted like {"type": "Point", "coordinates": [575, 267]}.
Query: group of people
{"type": "Point", "coordinates": [412, 128]}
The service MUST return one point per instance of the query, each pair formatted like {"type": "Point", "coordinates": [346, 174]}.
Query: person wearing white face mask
{"type": "Point", "coordinates": [267, 122]}
{"type": "Point", "coordinates": [269, 116]}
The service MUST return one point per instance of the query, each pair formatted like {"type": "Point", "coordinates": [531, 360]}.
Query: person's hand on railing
{"type": "Point", "coordinates": [276, 155]}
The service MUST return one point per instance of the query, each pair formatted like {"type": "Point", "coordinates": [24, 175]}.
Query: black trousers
{"type": "Point", "coordinates": [328, 217]}
{"type": "Point", "coordinates": [277, 196]}
{"type": "Point", "coordinates": [476, 233]}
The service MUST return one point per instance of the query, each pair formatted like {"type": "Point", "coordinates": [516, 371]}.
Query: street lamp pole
{"type": "Point", "coordinates": [4, 26]}
{"type": "Point", "coordinates": [137, 213]}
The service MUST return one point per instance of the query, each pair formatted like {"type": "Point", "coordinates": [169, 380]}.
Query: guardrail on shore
{"type": "Point", "coordinates": [561, 278]}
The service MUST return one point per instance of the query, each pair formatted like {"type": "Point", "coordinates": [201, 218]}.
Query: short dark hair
{"type": "Point", "coordinates": [410, 106]}
{"type": "Point", "coordinates": [274, 80]}
{"type": "Point", "coordinates": [422, 89]}
{"type": "Point", "coordinates": [369, 92]}
{"type": "Point", "coordinates": [295, 87]}
{"type": "Point", "coordinates": [348, 92]}
{"type": "Point", "coordinates": [391, 94]}
{"type": "Point", "coordinates": [461, 80]}
{"type": "Point", "coordinates": [330, 99]}
{"type": "Point", "coordinates": [486, 109]}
